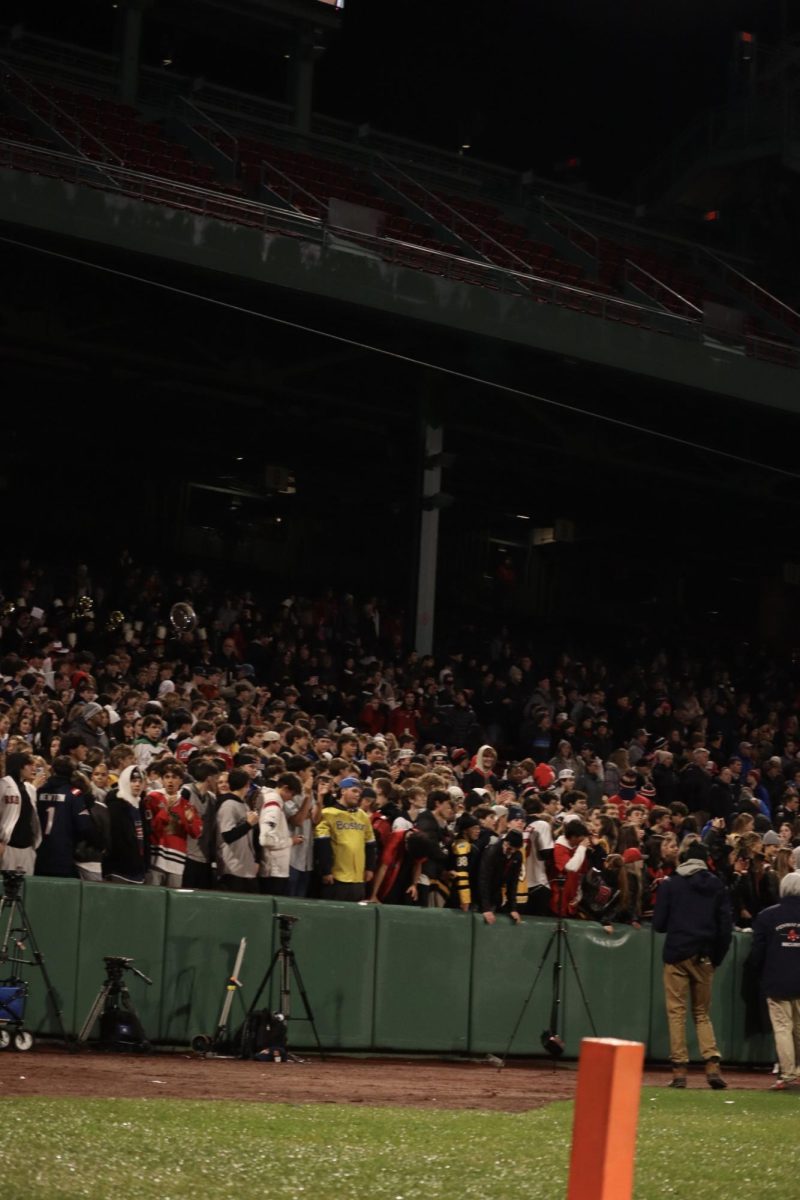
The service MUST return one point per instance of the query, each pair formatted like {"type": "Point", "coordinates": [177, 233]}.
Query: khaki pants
{"type": "Point", "coordinates": [785, 1018]}
{"type": "Point", "coordinates": [685, 983]}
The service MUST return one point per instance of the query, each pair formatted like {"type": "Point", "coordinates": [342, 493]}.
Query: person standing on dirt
{"type": "Point", "coordinates": [776, 957]}
{"type": "Point", "coordinates": [693, 909]}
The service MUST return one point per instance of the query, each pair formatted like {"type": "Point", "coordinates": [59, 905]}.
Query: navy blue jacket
{"type": "Point", "coordinates": [694, 911]}
{"type": "Point", "coordinates": [65, 821]}
{"type": "Point", "coordinates": [776, 949]}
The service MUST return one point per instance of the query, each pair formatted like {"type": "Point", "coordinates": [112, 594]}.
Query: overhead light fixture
{"type": "Point", "coordinates": [466, 146]}
{"type": "Point", "coordinates": [167, 61]}
{"type": "Point", "coordinates": [523, 517]}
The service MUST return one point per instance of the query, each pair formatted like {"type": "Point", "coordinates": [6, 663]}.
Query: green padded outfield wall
{"type": "Point", "coordinates": [378, 978]}
{"type": "Point", "coordinates": [202, 938]}
{"type": "Point", "coordinates": [53, 907]}
{"type": "Point", "coordinates": [422, 980]}
{"type": "Point", "coordinates": [129, 921]}
{"type": "Point", "coordinates": [505, 963]}
{"type": "Point", "coordinates": [334, 945]}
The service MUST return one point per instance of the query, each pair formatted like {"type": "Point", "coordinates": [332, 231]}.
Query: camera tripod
{"type": "Point", "coordinates": [551, 1039]}
{"type": "Point", "coordinates": [284, 958]}
{"type": "Point", "coordinates": [17, 935]}
{"type": "Point", "coordinates": [120, 1027]}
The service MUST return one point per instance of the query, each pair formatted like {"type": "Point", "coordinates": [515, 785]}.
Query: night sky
{"type": "Point", "coordinates": [528, 83]}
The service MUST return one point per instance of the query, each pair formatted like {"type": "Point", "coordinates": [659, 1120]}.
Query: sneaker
{"type": "Point", "coordinates": [677, 1081]}
{"type": "Point", "coordinates": [780, 1085]}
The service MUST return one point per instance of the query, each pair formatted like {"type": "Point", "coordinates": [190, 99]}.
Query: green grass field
{"type": "Point", "coordinates": [691, 1144]}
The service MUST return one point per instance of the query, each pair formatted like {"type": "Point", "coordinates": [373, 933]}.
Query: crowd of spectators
{"type": "Point", "coordinates": [156, 732]}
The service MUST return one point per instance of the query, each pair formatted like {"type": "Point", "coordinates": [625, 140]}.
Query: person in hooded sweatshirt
{"type": "Point", "coordinates": [127, 860]}
{"type": "Point", "coordinates": [693, 909]}
{"type": "Point", "coordinates": [481, 770]}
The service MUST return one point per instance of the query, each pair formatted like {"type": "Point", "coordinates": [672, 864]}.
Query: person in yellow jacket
{"type": "Point", "coordinates": [345, 845]}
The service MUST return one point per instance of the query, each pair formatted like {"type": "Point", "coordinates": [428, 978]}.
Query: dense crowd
{"type": "Point", "coordinates": [193, 739]}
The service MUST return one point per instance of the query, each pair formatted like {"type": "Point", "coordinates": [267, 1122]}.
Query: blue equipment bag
{"type": "Point", "coordinates": [13, 994]}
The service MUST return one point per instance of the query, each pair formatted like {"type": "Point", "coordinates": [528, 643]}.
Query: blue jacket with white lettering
{"type": "Point", "coordinates": [65, 821]}
{"type": "Point", "coordinates": [776, 949]}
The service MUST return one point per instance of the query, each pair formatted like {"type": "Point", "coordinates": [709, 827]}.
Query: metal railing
{"type": "Point", "coordinates": [633, 268]}
{"type": "Point", "coordinates": [51, 107]}
{"type": "Point", "coordinates": [546, 206]}
{"type": "Point", "coordinates": [272, 219]}
{"type": "Point", "coordinates": [295, 188]}
{"type": "Point", "coordinates": [193, 114]}
{"type": "Point", "coordinates": [764, 298]}
{"type": "Point", "coordinates": [440, 202]}
{"type": "Point", "coordinates": [141, 185]}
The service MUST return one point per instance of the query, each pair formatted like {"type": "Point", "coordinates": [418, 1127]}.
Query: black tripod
{"type": "Point", "coordinates": [17, 937]}
{"type": "Point", "coordinates": [551, 1039]}
{"type": "Point", "coordinates": [120, 1027]}
{"type": "Point", "coordinates": [284, 957]}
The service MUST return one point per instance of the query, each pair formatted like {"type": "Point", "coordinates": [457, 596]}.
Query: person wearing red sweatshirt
{"type": "Point", "coordinates": [171, 819]}
{"type": "Point", "coordinates": [570, 864]}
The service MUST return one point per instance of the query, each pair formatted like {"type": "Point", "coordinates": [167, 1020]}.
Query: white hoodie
{"type": "Point", "coordinates": [274, 835]}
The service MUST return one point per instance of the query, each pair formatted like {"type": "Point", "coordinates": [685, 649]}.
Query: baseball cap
{"type": "Point", "coordinates": [272, 736]}
{"type": "Point", "coordinates": [350, 781]}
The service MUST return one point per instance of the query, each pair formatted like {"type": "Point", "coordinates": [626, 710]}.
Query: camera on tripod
{"type": "Point", "coordinates": [12, 884]}
{"type": "Point", "coordinates": [120, 1027]}
{"type": "Point", "coordinates": [285, 928]}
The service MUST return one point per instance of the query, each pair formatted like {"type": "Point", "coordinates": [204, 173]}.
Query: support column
{"type": "Point", "coordinates": [302, 97]}
{"type": "Point", "coordinates": [428, 538]}
{"type": "Point", "coordinates": [130, 51]}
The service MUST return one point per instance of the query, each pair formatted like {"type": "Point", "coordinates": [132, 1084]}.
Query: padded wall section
{"type": "Point", "coordinates": [203, 931]}
{"type": "Point", "coordinates": [334, 947]}
{"type": "Point", "coordinates": [53, 907]}
{"type": "Point", "coordinates": [613, 973]}
{"type": "Point", "coordinates": [422, 980]}
{"type": "Point", "coordinates": [508, 990]}
{"type": "Point", "coordinates": [752, 1039]}
{"type": "Point", "coordinates": [125, 921]}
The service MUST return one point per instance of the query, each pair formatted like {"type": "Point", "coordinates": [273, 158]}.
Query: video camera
{"type": "Point", "coordinates": [116, 964]}
{"type": "Point", "coordinates": [285, 924]}
{"type": "Point", "coordinates": [12, 884]}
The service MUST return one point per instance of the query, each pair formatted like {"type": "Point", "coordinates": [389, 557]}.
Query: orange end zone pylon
{"type": "Point", "coordinates": [606, 1115]}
